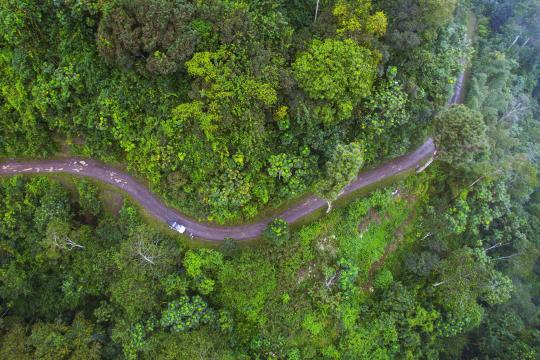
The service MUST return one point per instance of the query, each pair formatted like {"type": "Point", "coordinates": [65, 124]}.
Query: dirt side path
{"type": "Point", "coordinates": [99, 171]}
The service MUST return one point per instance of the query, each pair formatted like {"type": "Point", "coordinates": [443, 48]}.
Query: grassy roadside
{"type": "Point", "coordinates": [113, 198]}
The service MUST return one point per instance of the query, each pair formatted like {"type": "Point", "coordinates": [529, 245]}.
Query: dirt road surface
{"type": "Point", "coordinates": [99, 171]}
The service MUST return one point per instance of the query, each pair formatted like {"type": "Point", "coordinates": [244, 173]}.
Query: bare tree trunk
{"type": "Point", "coordinates": [316, 11]}
{"type": "Point", "coordinates": [329, 206]}
{"type": "Point", "coordinates": [4, 313]}
{"type": "Point", "coordinates": [73, 244]}
{"type": "Point", "coordinates": [439, 283]}
{"type": "Point", "coordinates": [65, 243]}
{"type": "Point", "coordinates": [329, 282]}
{"type": "Point", "coordinates": [424, 166]}
{"type": "Point", "coordinates": [148, 252]}
{"type": "Point", "coordinates": [477, 180]}
{"type": "Point", "coordinates": [146, 258]}
{"type": "Point", "coordinates": [506, 257]}
{"type": "Point", "coordinates": [496, 246]}
{"type": "Point", "coordinates": [514, 42]}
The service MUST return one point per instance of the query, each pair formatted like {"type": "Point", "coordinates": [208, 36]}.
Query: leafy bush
{"type": "Point", "coordinates": [186, 314]}
{"type": "Point", "coordinates": [383, 279]}
{"type": "Point", "coordinates": [277, 232]}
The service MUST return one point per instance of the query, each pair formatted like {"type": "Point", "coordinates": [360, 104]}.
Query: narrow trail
{"type": "Point", "coordinates": [99, 171]}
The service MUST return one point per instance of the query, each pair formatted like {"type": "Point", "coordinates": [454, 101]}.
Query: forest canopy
{"type": "Point", "coordinates": [233, 110]}
{"type": "Point", "coordinates": [200, 98]}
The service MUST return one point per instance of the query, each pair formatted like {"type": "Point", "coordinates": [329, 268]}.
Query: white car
{"type": "Point", "coordinates": [177, 227]}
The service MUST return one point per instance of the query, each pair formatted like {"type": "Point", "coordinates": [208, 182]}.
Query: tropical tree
{"type": "Point", "coordinates": [466, 277]}
{"type": "Point", "coordinates": [355, 20]}
{"type": "Point", "coordinates": [202, 266]}
{"type": "Point", "coordinates": [277, 232]}
{"type": "Point", "coordinates": [460, 135]}
{"type": "Point", "coordinates": [150, 35]}
{"type": "Point", "coordinates": [341, 169]}
{"type": "Point", "coordinates": [338, 72]}
{"type": "Point", "coordinates": [185, 314]}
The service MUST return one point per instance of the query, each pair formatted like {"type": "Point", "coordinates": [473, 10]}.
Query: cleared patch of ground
{"type": "Point", "coordinates": [399, 234]}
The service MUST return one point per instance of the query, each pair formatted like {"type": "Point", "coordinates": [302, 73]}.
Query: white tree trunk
{"type": "Point", "coordinates": [424, 166]}
{"type": "Point", "coordinates": [316, 11]}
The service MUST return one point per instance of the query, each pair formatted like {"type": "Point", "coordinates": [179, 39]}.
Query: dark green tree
{"type": "Point", "coordinates": [460, 135]}
{"type": "Point", "coordinates": [150, 35]}
{"type": "Point", "coordinates": [88, 198]}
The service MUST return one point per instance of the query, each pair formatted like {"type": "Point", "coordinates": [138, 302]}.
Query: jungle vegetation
{"type": "Point", "coordinates": [231, 108]}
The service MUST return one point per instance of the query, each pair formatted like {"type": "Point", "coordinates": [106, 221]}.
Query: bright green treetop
{"type": "Point", "coordinates": [342, 168]}
{"type": "Point", "coordinates": [340, 72]}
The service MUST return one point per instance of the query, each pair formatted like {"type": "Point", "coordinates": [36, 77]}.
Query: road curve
{"type": "Point", "coordinates": [99, 171]}
{"type": "Point", "coordinates": [418, 159]}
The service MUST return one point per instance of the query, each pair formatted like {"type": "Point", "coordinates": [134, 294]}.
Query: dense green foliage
{"type": "Point", "coordinates": [225, 107]}
{"type": "Point", "coordinates": [231, 107]}
{"type": "Point", "coordinates": [341, 169]}
{"type": "Point", "coordinates": [460, 135]}
{"type": "Point", "coordinates": [339, 72]}
{"type": "Point", "coordinates": [155, 36]}
{"type": "Point", "coordinates": [277, 232]}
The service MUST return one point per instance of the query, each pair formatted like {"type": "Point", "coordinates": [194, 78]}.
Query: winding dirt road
{"type": "Point", "coordinates": [418, 159]}
{"type": "Point", "coordinates": [99, 171]}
